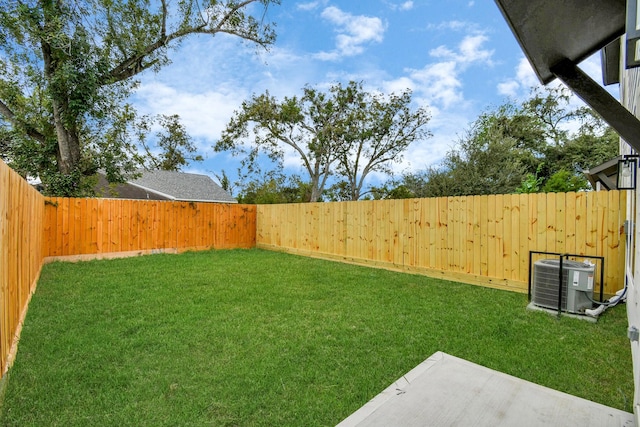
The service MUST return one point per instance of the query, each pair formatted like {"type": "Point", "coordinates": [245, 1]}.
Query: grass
{"type": "Point", "coordinates": [257, 338]}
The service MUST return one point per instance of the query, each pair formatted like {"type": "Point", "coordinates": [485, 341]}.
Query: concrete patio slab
{"type": "Point", "coordinates": [448, 391]}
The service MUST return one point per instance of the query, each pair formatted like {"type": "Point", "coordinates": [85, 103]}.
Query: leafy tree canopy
{"type": "Point", "coordinates": [176, 146]}
{"type": "Point", "coordinates": [542, 144]}
{"type": "Point", "coordinates": [273, 188]}
{"type": "Point", "coordinates": [346, 132]}
{"type": "Point", "coordinates": [67, 68]}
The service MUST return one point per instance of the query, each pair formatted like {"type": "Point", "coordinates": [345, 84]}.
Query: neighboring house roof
{"type": "Point", "coordinates": [170, 185]}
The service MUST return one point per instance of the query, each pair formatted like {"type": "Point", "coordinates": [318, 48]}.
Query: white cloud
{"type": "Point", "coordinates": [520, 85]}
{"type": "Point", "coordinates": [328, 56]}
{"type": "Point", "coordinates": [310, 5]}
{"type": "Point", "coordinates": [405, 6]}
{"type": "Point", "coordinates": [204, 114]}
{"type": "Point", "coordinates": [354, 32]}
{"type": "Point", "coordinates": [439, 83]}
{"type": "Point", "coordinates": [408, 5]}
{"type": "Point", "coordinates": [399, 85]}
{"type": "Point", "coordinates": [471, 49]}
{"type": "Point", "coordinates": [455, 25]}
{"type": "Point", "coordinates": [208, 80]}
{"type": "Point", "coordinates": [442, 52]}
{"type": "Point", "coordinates": [509, 88]}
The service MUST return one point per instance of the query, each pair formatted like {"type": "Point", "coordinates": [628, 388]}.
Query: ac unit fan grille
{"type": "Point", "coordinates": [545, 289]}
{"type": "Point", "coordinates": [545, 285]}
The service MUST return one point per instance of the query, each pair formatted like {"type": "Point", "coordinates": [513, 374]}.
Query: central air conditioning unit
{"type": "Point", "coordinates": [577, 285]}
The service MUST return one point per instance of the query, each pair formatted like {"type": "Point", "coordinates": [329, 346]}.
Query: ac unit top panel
{"type": "Point", "coordinates": [566, 264]}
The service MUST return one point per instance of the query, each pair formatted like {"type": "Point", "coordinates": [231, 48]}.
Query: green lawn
{"type": "Point", "coordinates": [258, 338]}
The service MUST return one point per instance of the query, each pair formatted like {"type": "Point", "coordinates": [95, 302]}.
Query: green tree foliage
{"type": "Point", "coordinates": [273, 188]}
{"type": "Point", "coordinates": [346, 132]}
{"type": "Point", "coordinates": [67, 68]}
{"type": "Point", "coordinates": [530, 184]}
{"type": "Point", "coordinates": [176, 146]}
{"type": "Point", "coordinates": [485, 163]}
{"type": "Point", "coordinates": [563, 181]}
{"type": "Point", "coordinates": [225, 182]}
{"type": "Point", "coordinates": [375, 134]}
{"type": "Point", "coordinates": [338, 192]}
{"type": "Point", "coordinates": [410, 185]}
{"type": "Point", "coordinates": [525, 148]}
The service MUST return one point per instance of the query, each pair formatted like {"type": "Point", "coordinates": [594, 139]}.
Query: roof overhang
{"type": "Point", "coordinates": [557, 35]}
{"type": "Point", "coordinates": [550, 31]}
{"type": "Point", "coordinates": [605, 174]}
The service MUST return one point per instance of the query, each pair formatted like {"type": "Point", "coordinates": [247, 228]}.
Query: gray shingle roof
{"type": "Point", "coordinates": [182, 186]}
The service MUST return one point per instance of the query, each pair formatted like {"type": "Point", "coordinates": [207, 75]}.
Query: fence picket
{"type": "Point", "coordinates": [103, 226]}
{"type": "Point", "coordinates": [22, 244]}
{"type": "Point", "coordinates": [480, 239]}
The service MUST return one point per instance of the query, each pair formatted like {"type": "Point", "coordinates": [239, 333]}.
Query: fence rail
{"type": "Point", "coordinates": [106, 226]}
{"type": "Point", "coordinates": [21, 220]}
{"type": "Point", "coordinates": [479, 239]}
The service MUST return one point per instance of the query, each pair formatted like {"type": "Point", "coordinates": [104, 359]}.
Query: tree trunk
{"type": "Point", "coordinates": [68, 153]}
{"type": "Point", "coordinates": [68, 143]}
{"type": "Point", "coordinates": [315, 190]}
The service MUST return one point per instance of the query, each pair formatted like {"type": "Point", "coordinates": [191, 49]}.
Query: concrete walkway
{"type": "Point", "coordinates": [447, 391]}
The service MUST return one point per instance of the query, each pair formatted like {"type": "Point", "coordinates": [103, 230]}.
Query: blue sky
{"type": "Point", "coordinates": [457, 56]}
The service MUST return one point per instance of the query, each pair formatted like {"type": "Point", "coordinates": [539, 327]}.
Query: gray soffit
{"type": "Point", "coordinates": [557, 35]}
{"type": "Point", "coordinates": [610, 59]}
{"type": "Point", "coordinates": [550, 31]}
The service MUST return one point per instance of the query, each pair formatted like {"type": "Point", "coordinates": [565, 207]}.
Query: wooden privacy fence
{"type": "Point", "coordinates": [21, 221]}
{"type": "Point", "coordinates": [34, 229]}
{"type": "Point", "coordinates": [100, 227]}
{"type": "Point", "coordinates": [479, 239]}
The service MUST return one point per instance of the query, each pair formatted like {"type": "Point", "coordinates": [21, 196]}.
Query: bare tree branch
{"type": "Point", "coordinates": [135, 63]}
{"type": "Point", "coordinates": [163, 32]}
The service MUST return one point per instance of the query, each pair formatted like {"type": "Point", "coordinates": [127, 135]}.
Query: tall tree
{"type": "Point", "coordinates": [376, 134]}
{"type": "Point", "coordinates": [346, 132]}
{"type": "Point", "coordinates": [307, 125]}
{"type": "Point", "coordinates": [528, 147]}
{"type": "Point", "coordinates": [67, 67]}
